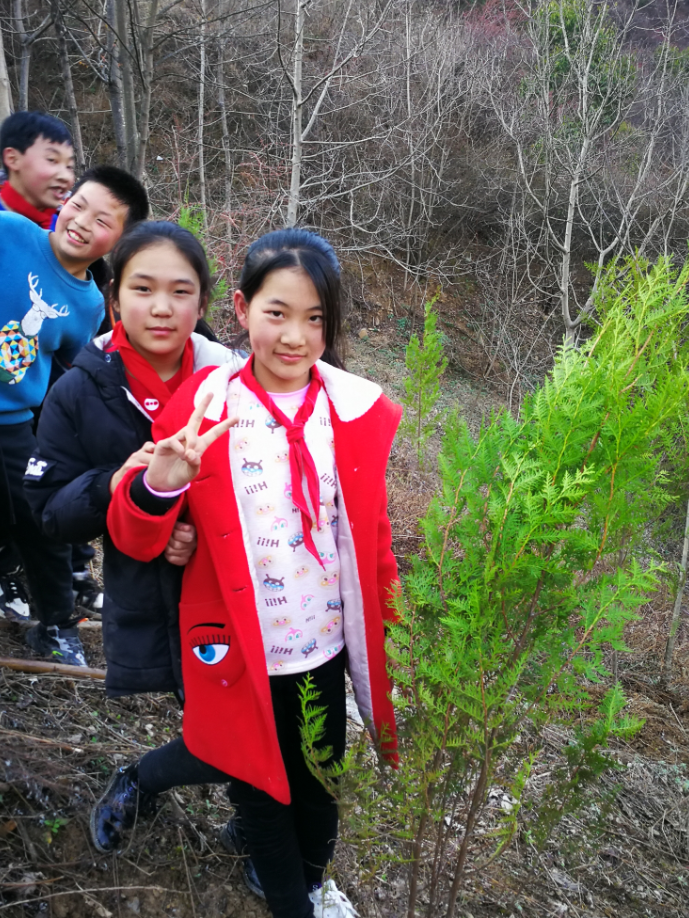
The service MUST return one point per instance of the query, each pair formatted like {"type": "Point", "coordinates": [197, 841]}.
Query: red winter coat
{"type": "Point", "coordinates": [228, 714]}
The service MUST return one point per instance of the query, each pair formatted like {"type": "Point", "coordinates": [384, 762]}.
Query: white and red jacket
{"type": "Point", "coordinates": [228, 714]}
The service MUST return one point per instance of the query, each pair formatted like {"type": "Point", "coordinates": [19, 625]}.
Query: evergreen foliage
{"type": "Point", "coordinates": [191, 218]}
{"type": "Point", "coordinates": [535, 559]}
{"type": "Point", "coordinates": [425, 365]}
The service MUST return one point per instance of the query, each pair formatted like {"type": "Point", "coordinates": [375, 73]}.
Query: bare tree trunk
{"type": "Point", "coordinates": [146, 42]}
{"type": "Point", "coordinates": [202, 105]}
{"type": "Point", "coordinates": [25, 59]}
{"type": "Point", "coordinates": [571, 326]}
{"type": "Point", "coordinates": [301, 96]}
{"type": "Point", "coordinates": [227, 152]}
{"type": "Point", "coordinates": [674, 624]}
{"type": "Point", "coordinates": [115, 85]}
{"type": "Point", "coordinates": [128, 99]}
{"type": "Point", "coordinates": [70, 98]}
{"type": "Point", "coordinates": [26, 40]}
{"type": "Point", "coordinates": [6, 106]}
{"type": "Point", "coordinates": [297, 108]}
{"type": "Point", "coordinates": [412, 158]}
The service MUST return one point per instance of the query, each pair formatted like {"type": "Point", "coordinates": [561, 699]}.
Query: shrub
{"type": "Point", "coordinates": [535, 558]}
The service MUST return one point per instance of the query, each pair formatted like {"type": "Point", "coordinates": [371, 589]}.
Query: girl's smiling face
{"type": "Point", "coordinates": [159, 304]}
{"type": "Point", "coordinates": [285, 324]}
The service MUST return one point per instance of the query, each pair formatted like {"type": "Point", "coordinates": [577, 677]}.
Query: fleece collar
{"type": "Point", "coordinates": [351, 396]}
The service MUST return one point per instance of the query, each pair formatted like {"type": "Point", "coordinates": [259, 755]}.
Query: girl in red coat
{"type": "Point", "coordinates": [294, 571]}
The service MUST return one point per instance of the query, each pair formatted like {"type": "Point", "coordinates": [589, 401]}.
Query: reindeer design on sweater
{"type": "Point", "coordinates": [19, 340]}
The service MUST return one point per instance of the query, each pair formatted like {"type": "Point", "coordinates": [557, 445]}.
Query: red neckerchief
{"type": "Point", "coordinates": [19, 205]}
{"type": "Point", "coordinates": [144, 383]}
{"type": "Point", "coordinates": [300, 459]}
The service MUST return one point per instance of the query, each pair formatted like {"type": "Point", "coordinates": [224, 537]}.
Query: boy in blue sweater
{"type": "Point", "coordinates": [37, 156]}
{"type": "Point", "coordinates": [49, 305]}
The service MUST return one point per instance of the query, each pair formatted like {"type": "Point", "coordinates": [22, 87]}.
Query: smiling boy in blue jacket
{"type": "Point", "coordinates": [36, 174]}
{"type": "Point", "coordinates": [50, 303]}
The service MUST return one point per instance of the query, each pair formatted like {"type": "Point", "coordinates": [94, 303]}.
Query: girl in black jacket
{"type": "Point", "coordinates": [96, 424]}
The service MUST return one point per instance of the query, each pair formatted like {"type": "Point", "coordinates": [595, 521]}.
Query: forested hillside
{"type": "Point", "coordinates": [517, 146]}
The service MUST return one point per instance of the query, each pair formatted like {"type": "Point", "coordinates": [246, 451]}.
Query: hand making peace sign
{"type": "Point", "coordinates": [177, 459]}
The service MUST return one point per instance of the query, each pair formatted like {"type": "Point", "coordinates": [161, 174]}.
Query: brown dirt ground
{"type": "Point", "coordinates": [60, 738]}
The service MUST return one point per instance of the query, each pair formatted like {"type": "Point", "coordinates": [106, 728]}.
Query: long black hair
{"type": "Point", "coordinates": [148, 234]}
{"type": "Point", "coordinates": [299, 248]}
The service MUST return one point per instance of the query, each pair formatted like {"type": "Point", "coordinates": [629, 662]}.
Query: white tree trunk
{"type": "Point", "coordinates": [6, 107]}
{"type": "Point", "coordinates": [227, 151]}
{"type": "Point", "coordinates": [123, 41]}
{"type": "Point", "coordinates": [25, 59]}
{"type": "Point", "coordinates": [146, 44]}
{"type": "Point", "coordinates": [70, 98]}
{"type": "Point", "coordinates": [297, 108]}
{"type": "Point", "coordinates": [202, 105]}
{"type": "Point", "coordinates": [674, 624]}
{"type": "Point", "coordinates": [115, 85]}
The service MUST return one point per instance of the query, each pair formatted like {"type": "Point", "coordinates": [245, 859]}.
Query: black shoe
{"type": "Point", "coordinates": [232, 840]}
{"type": "Point", "coordinates": [87, 593]}
{"type": "Point", "coordinates": [59, 642]}
{"type": "Point", "coordinates": [118, 808]}
{"type": "Point", "coordinates": [14, 603]}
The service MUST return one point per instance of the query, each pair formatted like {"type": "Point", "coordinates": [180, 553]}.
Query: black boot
{"type": "Point", "coordinates": [232, 839]}
{"type": "Point", "coordinates": [118, 808]}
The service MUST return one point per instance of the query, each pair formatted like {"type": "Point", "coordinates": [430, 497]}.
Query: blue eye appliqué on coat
{"type": "Point", "coordinates": [211, 653]}
{"type": "Point", "coordinates": [210, 648]}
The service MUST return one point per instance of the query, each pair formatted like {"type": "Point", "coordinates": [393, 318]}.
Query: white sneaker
{"type": "Point", "coordinates": [87, 593]}
{"type": "Point", "coordinates": [329, 902]}
{"type": "Point", "coordinates": [14, 603]}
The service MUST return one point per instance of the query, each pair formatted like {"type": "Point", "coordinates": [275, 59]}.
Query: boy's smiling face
{"type": "Point", "coordinates": [43, 173]}
{"type": "Point", "coordinates": [89, 225]}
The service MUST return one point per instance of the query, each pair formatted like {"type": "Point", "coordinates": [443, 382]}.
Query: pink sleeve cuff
{"type": "Point", "coordinates": [165, 494]}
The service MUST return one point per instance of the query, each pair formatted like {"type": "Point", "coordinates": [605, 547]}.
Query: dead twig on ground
{"type": "Point", "coordinates": [61, 669]}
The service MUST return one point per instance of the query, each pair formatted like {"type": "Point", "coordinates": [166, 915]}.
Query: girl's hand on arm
{"type": "Point", "coordinates": [140, 457]}
{"type": "Point", "coordinates": [176, 460]}
{"type": "Point", "coordinates": [182, 544]}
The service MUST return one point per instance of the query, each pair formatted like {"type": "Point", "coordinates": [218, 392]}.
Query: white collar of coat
{"type": "Point", "coordinates": [351, 396]}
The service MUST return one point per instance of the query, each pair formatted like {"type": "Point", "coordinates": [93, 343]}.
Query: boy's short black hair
{"type": "Point", "coordinates": [21, 130]}
{"type": "Point", "coordinates": [122, 186]}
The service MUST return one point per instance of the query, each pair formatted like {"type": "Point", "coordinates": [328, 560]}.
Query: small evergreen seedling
{"type": "Point", "coordinates": [425, 365]}
{"type": "Point", "coordinates": [191, 218]}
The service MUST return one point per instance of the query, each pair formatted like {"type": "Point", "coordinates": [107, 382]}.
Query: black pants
{"type": "Point", "coordinates": [173, 765]}
{"type": "Point", "coordinates": [10, 560]}
{"type": "Point", "coordinates": [47, 563]}
{"type": "Point", "coordinates": [81, 556]}
{"type": "Point", "coordinates": [290, 845]}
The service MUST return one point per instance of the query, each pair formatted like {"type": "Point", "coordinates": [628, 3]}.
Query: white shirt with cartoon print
{"type": "Point", "coordinates": [299, 604]}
